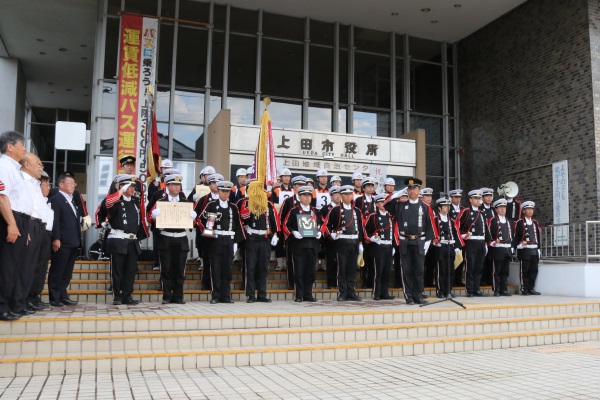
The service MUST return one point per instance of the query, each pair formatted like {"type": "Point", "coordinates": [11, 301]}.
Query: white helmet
{"type": "Point", "coordinates": [166, 163]}
{"type": "Point", "coordinates": [285, 172]}
{"type": "Point", "coordinates": [241, 172]}
{"type": "Point", "coordinates": [322, 172]}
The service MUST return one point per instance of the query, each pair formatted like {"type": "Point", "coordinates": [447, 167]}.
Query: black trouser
{"type": "Point", "coordinates": [24, 276]}
{"type": "Point", "coordinates": [431, 261]}
{"type": "Point", "coordinates": [412, 273]}
{"type": "Point", "coordinates": [41, 268]}
{"type": "Point", "coordinates": [155, 252]}
{"type": "Point", "coordinates": [397, 270]}
{"type": "Point", "coordinates": [331, 264]}
{"type": "Point", "coordinates": [11, 258]}
{"type": "Point", "coordinates": [172, 268]}
{"type": "Point", "coordinates": [346, 254]}
{"type": "Point", "coordinates": [61, 272]}
{"type": "Point", "coordinates": [487, 275]}
{"type": "Point", "coordinates": [501, 272]}
{"type": "Point", "coordinates": [529, 260]}
{"type": "Point", "coordinates": [122, 271]}
{"type": "Point", "coordinates": [257, 255]}
{"type": "Point", "coordinates": [474, 258]}
{"type": "Point", "coordinates": [242, 247]}
{"type": "Point", "coordinates": [199, 243]}
{"type": "Point", "coordinates": [382, 263]}
{"type": "Point", "coordinates": [290, 266]}
{"type": "Point", "coordinates": [367, 271]}
{"type": "Point", "coordinates": [221, 257]}
{"type": "Point", "coordinates": [304, 262]}
{"type": "Point", "coordinates": [206, 281]}
{"type": "Point", "coordinates": [445, 269]}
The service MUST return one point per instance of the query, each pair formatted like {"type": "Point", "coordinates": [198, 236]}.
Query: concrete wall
{"type": "Point", "coordinates": [12, 95]}
{"type": "Point", "coordinates": [526, 100]}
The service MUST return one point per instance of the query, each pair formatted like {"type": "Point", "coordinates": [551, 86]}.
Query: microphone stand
{"type": "Point", "coordinates": [449, 297]}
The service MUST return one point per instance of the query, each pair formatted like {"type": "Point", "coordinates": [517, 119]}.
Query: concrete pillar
{"type": "Point", "coordinates": [12, 95]}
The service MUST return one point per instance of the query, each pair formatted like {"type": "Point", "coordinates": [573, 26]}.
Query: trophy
{"type": "Point", "coordinates": [210, 223]}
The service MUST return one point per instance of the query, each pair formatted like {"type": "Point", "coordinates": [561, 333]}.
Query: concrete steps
{"type": "Point", "coordinates": [196, 336]}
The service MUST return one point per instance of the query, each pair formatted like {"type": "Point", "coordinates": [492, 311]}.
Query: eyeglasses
{"type": "Point", "coordinates": [71, 184]}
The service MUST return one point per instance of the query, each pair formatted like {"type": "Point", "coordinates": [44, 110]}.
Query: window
{"type": "Point", "coordinates": [111, 49]}
{"type": "Point", "coordinates": [425, 50]}
{"type": "Point", "coordinates": [242, 110]}
{"type": "Point", "coordinates": [282, 69]}
{"type": "Point", "coordinates": [426, 88]}
{"type": "Point", "coordinates": [321, 73]}
{"type": "Point", "coordinates": [432, 126]}
{"type": "Point", "coordinates": [319, 117]}
{"type": "Point", "coordinates": [165, 53]}
{"type": "Point", "coordinates": [370, 122]}
{"type": "Point", "coordinates": [283, 27]}
{"type": "Point", "coordinates": [191, 57]}
{"type": "Point", "coordinates": [242, 64]}
{"type": "Point", "coordinates": [372, 41]}
{"type": "Point", "coordinates": [372, 80]}
{"type": "Point", "coordinates": [285, 114]}
{"type": "Point", "coordinates": [243, 21]}
{"type": "Point", "coordinates": [187, 141]}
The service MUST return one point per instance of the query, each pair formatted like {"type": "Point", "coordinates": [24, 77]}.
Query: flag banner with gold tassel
{"type": "Point", "coordinates": [265, 166]}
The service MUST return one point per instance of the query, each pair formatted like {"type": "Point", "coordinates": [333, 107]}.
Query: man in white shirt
{"type": "Point", "coordinates": [15, 210]}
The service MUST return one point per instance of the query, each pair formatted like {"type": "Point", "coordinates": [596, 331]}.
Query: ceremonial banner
{"type": "Point", "coordinates": [560, 190]}
{"type": "Point", "coordinates": [137, 70]}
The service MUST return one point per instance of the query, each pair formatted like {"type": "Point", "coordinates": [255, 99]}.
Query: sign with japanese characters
{"type": "Point", "coordinates": [560, 194]}
{"type": "Point", "coordinates": [137, 69]}
{"type": "Point", "coordinates": [334, 147]}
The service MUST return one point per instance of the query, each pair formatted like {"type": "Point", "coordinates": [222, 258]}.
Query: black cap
{"type": "Point", "coordinates": [127, 160]}
{"type": "Point", "coordinates": [413, 182]}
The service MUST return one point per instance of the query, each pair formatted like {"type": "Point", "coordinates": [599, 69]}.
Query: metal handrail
{"type": "Point", "coordinates": [571, 241]}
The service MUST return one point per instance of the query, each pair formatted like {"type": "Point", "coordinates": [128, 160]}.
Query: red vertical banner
{"type": "Point", "coordinates": [137, 66]}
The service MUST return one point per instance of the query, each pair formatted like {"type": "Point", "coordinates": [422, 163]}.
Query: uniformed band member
{"type": "Point", "coordinates": [229, 232]}
{"type": "Point", "coordinates": [432, 256]}
{"type": "Point", "coordinates": [239, 190]}
{"type": "Point", "coordinates": [487, 275]}
{"type": "Point", "coordinates": [278, 196]}
{"type": "Point", "coordinates": [328, 243]}
{"type": "Point", "coordinates": [449, 244]}
{"type": "Point", "coordinates": [388, 186]}
{"type": "Point", "coordinates": [381, 236]}
{"type": "Point", "coordinates": [303, 249]}
{"type": "Point", "coordinates": [159, 183]}
{"type": "Point", "coordinates": [173, 244]}
{"type": "Point", "coordinates": [397, 259]}
{"type": "Point", "coordinates": [366, 205]}
{"type": "Point", "coordinates": [127, 229]}
{"type": "Point", "coordinates": [335, 181]}
{"type": "Point", "coordinates": [417, 230]}
{"type": "Point", "coordinates": [345, 227]}
{"type": "Point", "coordinates": [527, 241]}
{"type": "Point", "coordinates": [455, 209]}
{"type": "Point", "coordinates": [261, 234]}
{"type": "Point", "coordinates": [288, 204]}
{"type": "Point", "coordinates": [357, 178]}
{"type": "Point", "coordinates": [513, 209]}
{"type": "Point", "coordinates": [473, 228]}
{"type": "Point", "coordinates": [500, 247]}
{"type": "Point", "coordinates": [199, 206]}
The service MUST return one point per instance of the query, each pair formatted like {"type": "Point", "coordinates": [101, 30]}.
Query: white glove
{"type": "Point", "coordinates": [539, 254]}
{"type": "Point", "coordinates": [493, 243]}
{"type": "Point", "coordinates": [155, 213]}
{"type": "Point", "coordinates": [393, 251]}
{"type": "Point", "coordinates": [274, 240]}
{"type": "Point", "coordinates": [105, 224]}
{"type": "Point", "coordinates": [512, 250]}
{"type": "Point", "coordinates": [395, 195]}
{"type": "Point", "coordinates": [375, 239]}
{"type": "Point", "coordinates": [319, 235]}
{"type": "Point", "coordinates": [193, 214]}
{"type": "Point", "coordinates": [247, 228]}
{"type": "Point", "coordinates": [456, 251]}
{"type": "Point", "coordinates": [361, 249]}
{"type": "Point", "coordinates": [125, 187]}
{"type": "Point", "coordinates": [520, 246]}
{"type": "Point", "coordinates": [464, 235]}
{"type": "Point", "coordinates": [297, 235]}
{"type": "Point", "coordinates": [235, 248]}
{"type": "Point", "coordinates": [486, 250]}
{"type": "Point", "coordinates": [334, 236]}
{"type": "Point", "coordinates": [195, 197]}
{"type": "Point", "coordinates": [426, 246]}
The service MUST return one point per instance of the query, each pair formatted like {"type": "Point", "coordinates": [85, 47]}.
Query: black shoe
{"type": "Point", "coordinates": [439, 295]}
{"type": "Point", "coordinates": [421, 301]}
{"type": "Point", "coordinates": [56, 303]}
{"type": "Point", "coordinates": [40, 303]}
{"type": "Point", "coordinates": [251, 299]}
{"type": "Point", "coordinates": [533, 292]}
{"type": "Point", "coordinates": [227, 301]}
{"type": "Point", "coordinates": [423, 295]}
{"type": "Point", "coordinates": [131, 302]}
{"type": "Point", "coordinates": [505, 293]}
{"type": "Point", "coordinates": [6, 316]}
{"type": "Point", "coordinates": [166, 301]}
{"type": "Point", "coordinates": [496, 294]}
{"type": "Point", "coordinates": [525, 293]}
{"type": "Point", "coordinates": [387, 297]}
{"type": "Point", "coordinates": [214, 301]}
{"type": "Point", "coordinates": [178, 301]}
{"type": "Point", "coordinates": [469, 294]}
{"type": "Point", "coordinates": [68, 302]}
{"type": "Point", "coordinates": [342, 298]}
{"type": "Point", "coordinates": [35, 307]}
{"type": "Point", "coordinates": [310, 299]}
{"type": "Point", "coordinates": [354, 297]}
{"type": "Point", "coordinates": [479, 293]}
{"type": "Point", "coordinates": [117, 302]}
{"type": "Point", "coordinates": [298, 300]}
{"type": "Point", "coordinates": [263, 300]}
{"type": "Point", "coordinates": [459, 284]}
{"type": "Point", "coordinates": [377, 298]}
{"type": "Point", "coordinates": [410, 302]}
{"type": "Point", "coordinates": [24, 312]}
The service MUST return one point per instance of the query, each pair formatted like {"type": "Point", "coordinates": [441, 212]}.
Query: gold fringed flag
{"type": "Point", "coordinates": [265, 167]}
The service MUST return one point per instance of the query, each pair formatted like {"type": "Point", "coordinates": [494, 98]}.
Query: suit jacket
{"type": "Point", "coordinates": [67, 225]}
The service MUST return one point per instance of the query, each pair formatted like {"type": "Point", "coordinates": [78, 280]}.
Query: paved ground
{"type": "Point", "coordinates": [545, 372]}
